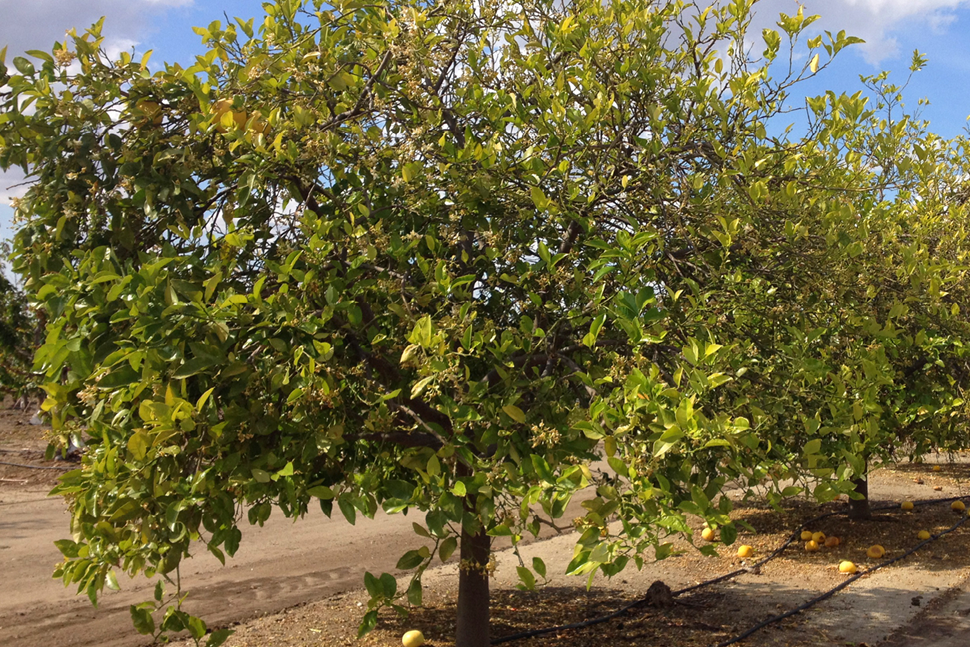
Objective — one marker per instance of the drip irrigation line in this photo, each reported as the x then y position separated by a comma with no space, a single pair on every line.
826,595
795,536
38,467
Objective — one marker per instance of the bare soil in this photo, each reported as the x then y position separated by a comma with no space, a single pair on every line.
301,584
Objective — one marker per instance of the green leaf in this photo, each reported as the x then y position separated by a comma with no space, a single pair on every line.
539,198
813,446
528,579
539,566
23,66
423,332
347,508
514,413
542,469
195,366
138,445
389,584
218,637
410,559
373,585
434,466
409,171
341,81
367,624
447,548
321,492
196,627
420,386
142,619
415,593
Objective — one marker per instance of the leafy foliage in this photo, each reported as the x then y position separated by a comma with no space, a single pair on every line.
16,341
443,256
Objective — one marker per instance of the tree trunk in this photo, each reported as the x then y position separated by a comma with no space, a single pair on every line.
859,508
473,599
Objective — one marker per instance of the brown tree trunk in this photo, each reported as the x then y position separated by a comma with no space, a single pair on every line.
473,598
859,508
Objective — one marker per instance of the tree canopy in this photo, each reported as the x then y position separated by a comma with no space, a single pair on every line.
442,256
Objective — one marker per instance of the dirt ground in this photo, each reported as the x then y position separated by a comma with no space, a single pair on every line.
921,600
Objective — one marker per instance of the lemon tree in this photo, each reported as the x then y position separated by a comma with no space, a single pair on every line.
17,327
442,257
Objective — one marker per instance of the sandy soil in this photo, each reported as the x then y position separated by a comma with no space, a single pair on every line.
301,584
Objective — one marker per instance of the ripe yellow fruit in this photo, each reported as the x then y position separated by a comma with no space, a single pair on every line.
832,542
875,551
819,538
259,125
811,546
937,468
923,534
847,567
958,506
151,111
806,535
745,551
221,107
413,638
906,505
707,534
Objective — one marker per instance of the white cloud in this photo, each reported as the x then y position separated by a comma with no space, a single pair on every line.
36,24
873,20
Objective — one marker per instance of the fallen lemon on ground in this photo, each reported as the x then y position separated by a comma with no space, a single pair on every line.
923,534
745,551
906,505
811,545
847,567
818,537
937,468
876,551
806,535
707,534
832,542
413,638
958,506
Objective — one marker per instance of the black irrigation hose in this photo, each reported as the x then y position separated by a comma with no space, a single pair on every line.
795,536
37,467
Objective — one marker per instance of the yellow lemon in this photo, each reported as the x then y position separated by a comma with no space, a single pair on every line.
906,505
221,107
847,567
152,112
958,506
832,542
875,551
806,535
745,551
937,468
413,638
923,534
811,546
819,537
707,534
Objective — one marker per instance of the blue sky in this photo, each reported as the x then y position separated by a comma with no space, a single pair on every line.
892,29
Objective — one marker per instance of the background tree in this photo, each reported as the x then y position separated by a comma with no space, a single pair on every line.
17,343
433,256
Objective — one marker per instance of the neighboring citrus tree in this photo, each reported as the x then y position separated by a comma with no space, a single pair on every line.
434,256
17,344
